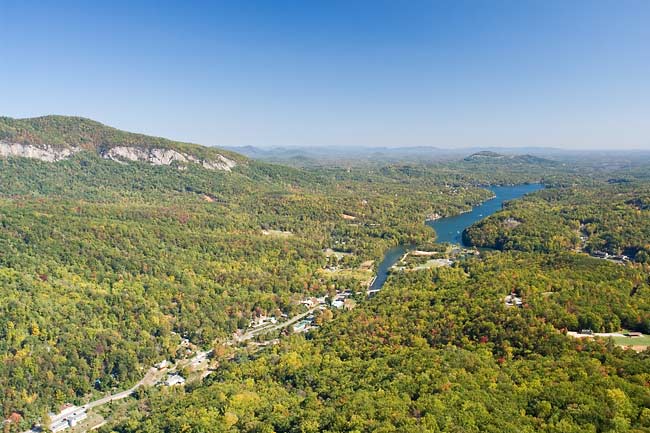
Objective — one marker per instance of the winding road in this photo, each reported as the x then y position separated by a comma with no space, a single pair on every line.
154,375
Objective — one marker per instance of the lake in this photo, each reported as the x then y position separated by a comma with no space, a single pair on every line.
450,229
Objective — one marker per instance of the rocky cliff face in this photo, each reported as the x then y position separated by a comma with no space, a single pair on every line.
158,156
55,138
43,152
155,156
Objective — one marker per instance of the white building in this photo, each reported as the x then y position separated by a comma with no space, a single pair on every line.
69,421
162,364
513,301
174,380
76,417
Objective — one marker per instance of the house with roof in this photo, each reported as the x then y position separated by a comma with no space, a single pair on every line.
70,420
633,334
174,379
512,300
302,326
74,419
162,364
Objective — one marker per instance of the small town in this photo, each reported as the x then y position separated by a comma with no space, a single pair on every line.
166,373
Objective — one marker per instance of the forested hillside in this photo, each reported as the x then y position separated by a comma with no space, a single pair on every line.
107,267
57,138
104,266
437,351
79,132
609,216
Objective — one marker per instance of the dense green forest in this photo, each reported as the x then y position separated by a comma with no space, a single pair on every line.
610,216
79,132
436,351
142,255
105,266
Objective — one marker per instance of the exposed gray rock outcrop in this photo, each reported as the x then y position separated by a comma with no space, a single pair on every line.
159,156
43,152
155,156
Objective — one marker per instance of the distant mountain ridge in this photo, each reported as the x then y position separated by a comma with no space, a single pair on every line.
316,155
487,155
54,138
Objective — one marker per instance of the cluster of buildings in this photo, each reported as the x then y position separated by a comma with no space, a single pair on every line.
305,325
342,299
313,302
607,256
174,379
186,347
69,417
261,321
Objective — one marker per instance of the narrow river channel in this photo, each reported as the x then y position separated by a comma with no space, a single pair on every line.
450,229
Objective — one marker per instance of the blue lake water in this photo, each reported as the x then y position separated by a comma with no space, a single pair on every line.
450,229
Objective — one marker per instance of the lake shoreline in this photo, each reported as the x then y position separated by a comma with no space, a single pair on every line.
449,229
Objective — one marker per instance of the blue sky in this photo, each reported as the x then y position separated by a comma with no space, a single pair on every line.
570,74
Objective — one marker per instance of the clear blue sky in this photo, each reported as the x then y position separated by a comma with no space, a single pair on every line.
564,73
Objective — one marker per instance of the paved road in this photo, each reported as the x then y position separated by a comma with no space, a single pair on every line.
277,326
154,375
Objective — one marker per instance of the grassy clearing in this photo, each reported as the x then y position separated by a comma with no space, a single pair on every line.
636,341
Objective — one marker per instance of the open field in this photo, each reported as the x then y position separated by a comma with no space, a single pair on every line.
619,338
636,341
